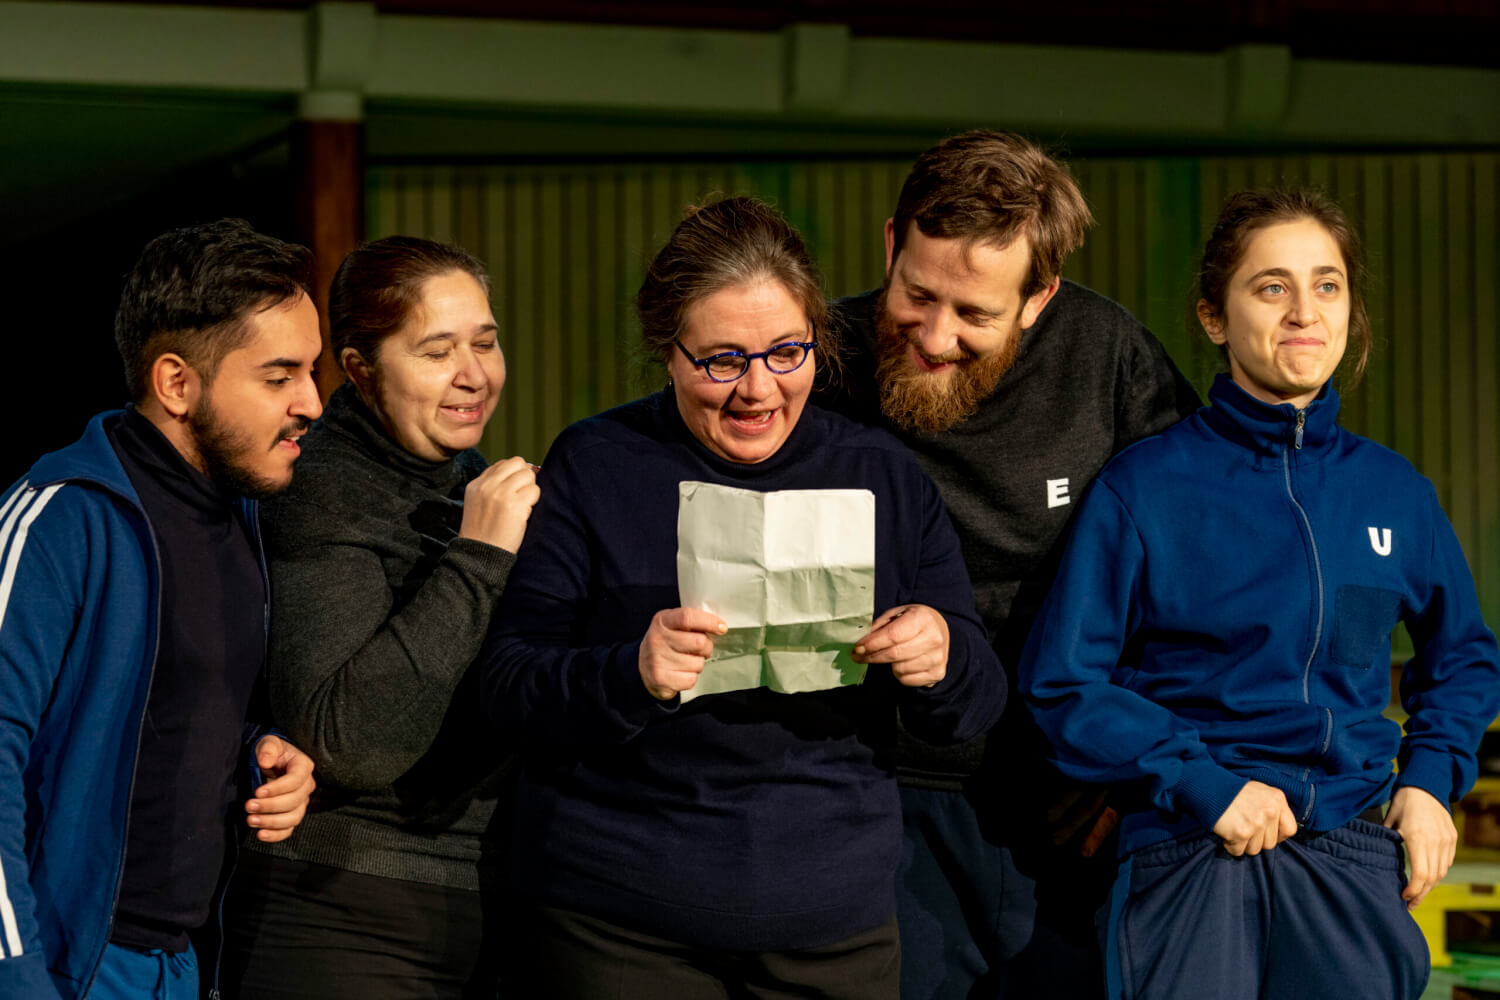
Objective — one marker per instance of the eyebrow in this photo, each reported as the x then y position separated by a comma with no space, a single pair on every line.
724,347
912,283
282,363
962,308
449,335
1281,272
972,308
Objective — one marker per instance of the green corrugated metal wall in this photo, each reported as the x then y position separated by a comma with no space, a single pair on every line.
566,245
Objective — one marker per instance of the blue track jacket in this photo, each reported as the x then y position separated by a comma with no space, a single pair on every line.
79,611
1223,613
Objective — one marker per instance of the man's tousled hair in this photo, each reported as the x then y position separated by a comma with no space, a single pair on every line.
192,290
991,187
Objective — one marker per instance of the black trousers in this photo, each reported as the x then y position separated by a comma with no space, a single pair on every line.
573,956
300,931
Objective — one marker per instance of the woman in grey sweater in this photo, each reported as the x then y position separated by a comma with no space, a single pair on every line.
387,555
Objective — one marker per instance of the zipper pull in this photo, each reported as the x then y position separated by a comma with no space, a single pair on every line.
1301,419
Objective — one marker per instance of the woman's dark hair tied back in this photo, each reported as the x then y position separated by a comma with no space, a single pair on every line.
727,244
1249,211
379,284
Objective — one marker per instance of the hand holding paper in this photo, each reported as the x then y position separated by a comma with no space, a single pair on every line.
675,648
913,639
791,573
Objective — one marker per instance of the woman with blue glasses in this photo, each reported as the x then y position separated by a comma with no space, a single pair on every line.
742,842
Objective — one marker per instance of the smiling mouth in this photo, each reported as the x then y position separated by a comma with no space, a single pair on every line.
924,362
291,437
465,411
751,419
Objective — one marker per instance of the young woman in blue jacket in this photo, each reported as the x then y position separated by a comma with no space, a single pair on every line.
1218,641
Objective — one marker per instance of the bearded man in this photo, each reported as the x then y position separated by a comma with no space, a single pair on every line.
133,613
1013,387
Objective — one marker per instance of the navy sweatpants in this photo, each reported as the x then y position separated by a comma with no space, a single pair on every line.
985,917
1318,916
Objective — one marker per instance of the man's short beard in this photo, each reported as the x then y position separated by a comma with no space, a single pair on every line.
930,401
223,450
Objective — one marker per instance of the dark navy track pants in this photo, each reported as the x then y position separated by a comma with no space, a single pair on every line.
984,918
1318,916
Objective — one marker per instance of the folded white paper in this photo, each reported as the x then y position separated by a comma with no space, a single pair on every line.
793,575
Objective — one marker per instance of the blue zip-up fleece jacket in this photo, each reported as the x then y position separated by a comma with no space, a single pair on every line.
79,613
1223,613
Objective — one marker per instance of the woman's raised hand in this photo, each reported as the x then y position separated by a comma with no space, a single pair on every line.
498,502
913,639
1257,820
1426,825
675,647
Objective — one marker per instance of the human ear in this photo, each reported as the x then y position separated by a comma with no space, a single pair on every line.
1034,305
174,384
890,245
360,372
1211,321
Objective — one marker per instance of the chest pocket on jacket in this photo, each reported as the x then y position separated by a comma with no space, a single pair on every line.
1362,619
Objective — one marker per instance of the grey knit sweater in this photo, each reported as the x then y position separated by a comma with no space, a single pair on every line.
378,608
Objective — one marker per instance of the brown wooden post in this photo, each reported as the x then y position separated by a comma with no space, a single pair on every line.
328,157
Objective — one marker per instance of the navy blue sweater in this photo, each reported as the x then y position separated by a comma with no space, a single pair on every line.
1223,613
743,821
210,647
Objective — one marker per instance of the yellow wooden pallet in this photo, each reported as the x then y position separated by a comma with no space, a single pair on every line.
1470,886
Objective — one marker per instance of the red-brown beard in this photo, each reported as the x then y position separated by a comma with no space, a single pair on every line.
933,401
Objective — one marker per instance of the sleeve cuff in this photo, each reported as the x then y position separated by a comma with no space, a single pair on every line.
1205,790
488,563
627,692
1432,772
967,702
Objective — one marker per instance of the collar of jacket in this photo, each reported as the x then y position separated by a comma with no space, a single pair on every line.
90,458
1270,429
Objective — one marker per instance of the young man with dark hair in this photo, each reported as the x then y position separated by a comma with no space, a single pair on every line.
1012,387
133,613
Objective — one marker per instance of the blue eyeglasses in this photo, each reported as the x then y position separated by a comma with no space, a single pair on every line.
730,366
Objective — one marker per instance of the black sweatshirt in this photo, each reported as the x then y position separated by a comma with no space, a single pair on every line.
1088,380
378,608
210,649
